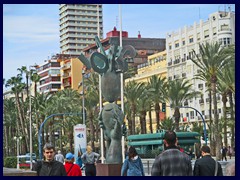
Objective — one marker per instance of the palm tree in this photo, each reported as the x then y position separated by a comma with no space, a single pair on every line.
10,125
167,124
227,84
178,92
132,92
142,109
157,91
213,58
17,86
91,96
23,70
35,78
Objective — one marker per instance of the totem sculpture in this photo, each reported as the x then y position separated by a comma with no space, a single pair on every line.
111,117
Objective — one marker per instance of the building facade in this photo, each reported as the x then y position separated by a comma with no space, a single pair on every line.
79,24
50,72
71,73
220,27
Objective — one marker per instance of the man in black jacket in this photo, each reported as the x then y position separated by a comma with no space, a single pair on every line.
49,167
206,165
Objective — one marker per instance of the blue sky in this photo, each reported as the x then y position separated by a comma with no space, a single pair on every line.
31,31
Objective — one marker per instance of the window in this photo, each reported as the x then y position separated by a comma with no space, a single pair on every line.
183,43
206,33
214,31
192,114
191,40
198,37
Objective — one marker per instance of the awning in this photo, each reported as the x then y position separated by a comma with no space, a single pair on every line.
144,143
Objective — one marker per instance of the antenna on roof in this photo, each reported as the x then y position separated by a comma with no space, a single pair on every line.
116,21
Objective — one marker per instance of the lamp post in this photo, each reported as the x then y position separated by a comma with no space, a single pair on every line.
121,79
17,138
83,98
30,116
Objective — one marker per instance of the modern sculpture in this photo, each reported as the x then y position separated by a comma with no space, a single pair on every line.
111,117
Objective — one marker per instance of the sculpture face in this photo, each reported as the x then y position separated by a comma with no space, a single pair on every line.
110,86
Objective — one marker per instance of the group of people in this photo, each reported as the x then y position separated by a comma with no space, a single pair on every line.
226,151
57,165
171,162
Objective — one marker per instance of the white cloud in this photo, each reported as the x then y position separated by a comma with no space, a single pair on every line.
19,29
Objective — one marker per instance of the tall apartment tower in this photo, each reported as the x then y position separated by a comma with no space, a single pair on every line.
79,24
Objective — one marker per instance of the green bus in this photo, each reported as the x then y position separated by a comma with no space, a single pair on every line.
150,145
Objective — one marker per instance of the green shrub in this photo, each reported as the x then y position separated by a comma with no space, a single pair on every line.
10,162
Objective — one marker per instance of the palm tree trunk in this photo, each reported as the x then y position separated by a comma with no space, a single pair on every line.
157,110
230,94
133,119
224,100
216,121
177,118
150,121
22,124
212,137
129,125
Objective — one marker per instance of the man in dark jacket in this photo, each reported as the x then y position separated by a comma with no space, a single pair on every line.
171,162
205,166
49,167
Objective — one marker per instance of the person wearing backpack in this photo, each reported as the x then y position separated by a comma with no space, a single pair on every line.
71,168
132,165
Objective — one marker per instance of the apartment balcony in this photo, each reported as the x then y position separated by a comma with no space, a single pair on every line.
66,84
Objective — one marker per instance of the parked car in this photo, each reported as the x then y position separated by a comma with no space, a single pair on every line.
34,157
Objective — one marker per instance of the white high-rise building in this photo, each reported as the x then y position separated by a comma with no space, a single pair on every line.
79,24
220,27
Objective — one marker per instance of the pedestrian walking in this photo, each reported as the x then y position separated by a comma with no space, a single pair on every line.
230,151
79,160
49,166
207,166
71,168
224,153
132,165
190,153
171,162
90,159
59,157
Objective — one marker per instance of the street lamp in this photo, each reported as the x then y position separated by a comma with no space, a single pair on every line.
30,116
83,98
17,138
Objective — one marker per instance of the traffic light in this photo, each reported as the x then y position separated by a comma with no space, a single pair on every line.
163,107
203,138
124,129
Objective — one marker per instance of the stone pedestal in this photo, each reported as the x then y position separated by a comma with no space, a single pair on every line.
108,169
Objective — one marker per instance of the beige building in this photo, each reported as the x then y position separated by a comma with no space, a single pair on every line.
156,65
220,27
79,24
